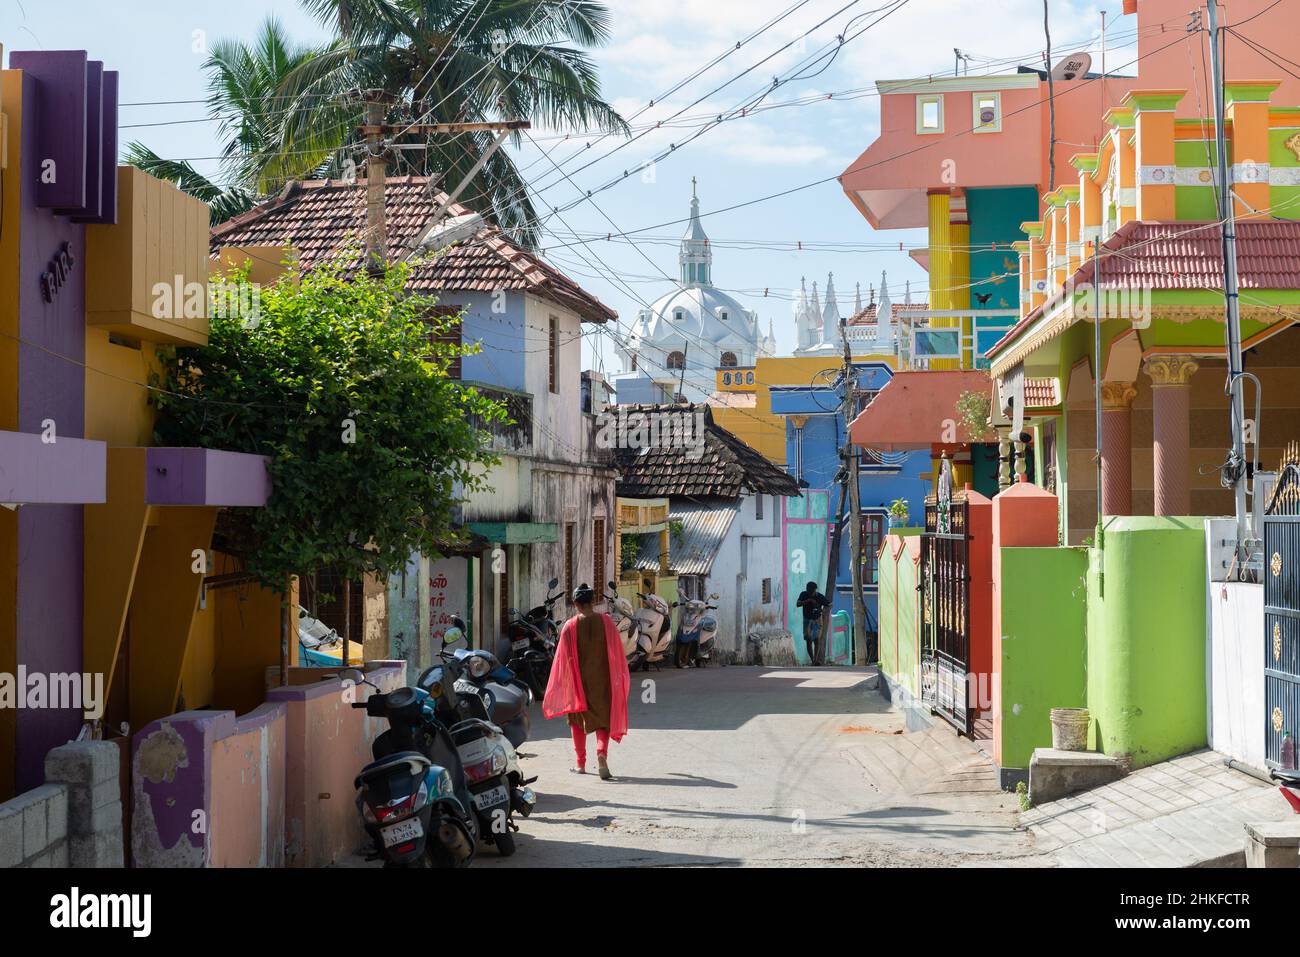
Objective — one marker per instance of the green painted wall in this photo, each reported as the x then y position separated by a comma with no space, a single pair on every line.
908,667
1043,644
1146,638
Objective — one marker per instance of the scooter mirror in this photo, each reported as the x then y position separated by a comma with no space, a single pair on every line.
553,583
460,622
613,587
714,596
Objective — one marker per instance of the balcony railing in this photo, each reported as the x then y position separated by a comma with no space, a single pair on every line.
515,435
920,343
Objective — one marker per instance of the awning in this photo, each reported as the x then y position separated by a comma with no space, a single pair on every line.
66,471
516,533
918,410
692,545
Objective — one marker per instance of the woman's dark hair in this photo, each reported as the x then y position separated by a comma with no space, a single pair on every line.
583,595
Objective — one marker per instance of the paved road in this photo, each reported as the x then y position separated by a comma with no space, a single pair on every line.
760,766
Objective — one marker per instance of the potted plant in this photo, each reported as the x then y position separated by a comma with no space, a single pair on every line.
898,513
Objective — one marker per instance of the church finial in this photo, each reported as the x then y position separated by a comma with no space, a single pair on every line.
693,196
857,298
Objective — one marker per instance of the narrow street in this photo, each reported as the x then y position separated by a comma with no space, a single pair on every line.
726,764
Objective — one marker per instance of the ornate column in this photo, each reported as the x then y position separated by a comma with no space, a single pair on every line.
1116,447
1171,376
1004,456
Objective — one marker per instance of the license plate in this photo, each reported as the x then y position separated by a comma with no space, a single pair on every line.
402,831
519,644
491,797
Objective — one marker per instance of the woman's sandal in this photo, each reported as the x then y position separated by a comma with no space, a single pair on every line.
580,769
605,774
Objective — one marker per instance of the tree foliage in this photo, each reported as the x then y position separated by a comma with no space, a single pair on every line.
338,378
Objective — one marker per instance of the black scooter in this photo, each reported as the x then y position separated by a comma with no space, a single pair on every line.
529,646
413,798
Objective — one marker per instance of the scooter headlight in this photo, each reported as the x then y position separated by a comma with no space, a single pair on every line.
479,666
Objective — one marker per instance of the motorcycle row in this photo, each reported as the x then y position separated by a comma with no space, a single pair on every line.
446,775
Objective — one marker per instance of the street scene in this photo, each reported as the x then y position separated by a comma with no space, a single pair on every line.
517,434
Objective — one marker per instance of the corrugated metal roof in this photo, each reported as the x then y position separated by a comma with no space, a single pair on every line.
692,550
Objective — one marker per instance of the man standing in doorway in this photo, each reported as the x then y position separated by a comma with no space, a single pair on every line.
812,602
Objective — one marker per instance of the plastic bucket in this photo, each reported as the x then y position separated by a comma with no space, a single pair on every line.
1070,729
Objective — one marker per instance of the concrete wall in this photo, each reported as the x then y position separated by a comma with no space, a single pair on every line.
327,742
900,637
1042,647
1146,639
74,819
271,788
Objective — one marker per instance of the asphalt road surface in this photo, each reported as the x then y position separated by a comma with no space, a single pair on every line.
761,766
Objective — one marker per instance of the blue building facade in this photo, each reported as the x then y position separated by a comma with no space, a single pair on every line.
815,430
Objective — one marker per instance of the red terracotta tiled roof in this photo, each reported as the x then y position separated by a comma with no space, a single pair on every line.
1185,255
321,219
868,314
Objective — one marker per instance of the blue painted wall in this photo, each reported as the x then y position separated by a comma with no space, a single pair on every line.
501,361
879,484
995,217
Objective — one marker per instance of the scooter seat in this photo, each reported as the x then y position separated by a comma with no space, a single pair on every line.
412,761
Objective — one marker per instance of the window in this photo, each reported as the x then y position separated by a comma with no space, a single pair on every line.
862,398
872,528
568,561
554,371
767,591
598,546
929,113
723,315
677,360
450,334
758,507
634,362
986,111
728,360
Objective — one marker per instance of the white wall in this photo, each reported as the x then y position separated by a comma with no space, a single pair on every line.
750,552
1233,660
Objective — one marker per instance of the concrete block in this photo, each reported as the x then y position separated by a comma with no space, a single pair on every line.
98,850
58,854
11,835
1273,844
1055,774
83,763
35,817
106,817
56,816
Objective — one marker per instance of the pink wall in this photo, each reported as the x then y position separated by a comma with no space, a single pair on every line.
267,789
328,743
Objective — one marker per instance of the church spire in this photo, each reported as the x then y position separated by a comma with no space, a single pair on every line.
695,257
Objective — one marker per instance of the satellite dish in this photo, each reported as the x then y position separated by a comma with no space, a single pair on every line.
1072,67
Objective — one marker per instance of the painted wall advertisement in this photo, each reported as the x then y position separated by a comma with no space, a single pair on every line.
448,594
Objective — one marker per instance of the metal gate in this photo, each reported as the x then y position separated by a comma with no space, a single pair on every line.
1282,609
945,610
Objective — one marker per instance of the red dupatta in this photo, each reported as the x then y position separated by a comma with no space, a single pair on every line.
564,692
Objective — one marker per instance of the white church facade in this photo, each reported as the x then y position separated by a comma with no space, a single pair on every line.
676,345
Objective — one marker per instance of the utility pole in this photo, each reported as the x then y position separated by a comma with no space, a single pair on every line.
376,132
1233,474
855,511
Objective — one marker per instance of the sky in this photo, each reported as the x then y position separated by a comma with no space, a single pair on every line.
825,113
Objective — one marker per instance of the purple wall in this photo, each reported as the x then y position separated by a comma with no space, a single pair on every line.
51,385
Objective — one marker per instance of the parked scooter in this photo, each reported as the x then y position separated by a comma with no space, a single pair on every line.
621,611
413,798
528,647
696,632
507,698
497,788
654,630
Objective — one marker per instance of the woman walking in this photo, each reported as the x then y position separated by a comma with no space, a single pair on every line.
589,681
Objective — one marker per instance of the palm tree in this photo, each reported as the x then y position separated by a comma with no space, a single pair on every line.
242,84
435,61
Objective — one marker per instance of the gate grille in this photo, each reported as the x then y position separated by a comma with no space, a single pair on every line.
1282,608
945,610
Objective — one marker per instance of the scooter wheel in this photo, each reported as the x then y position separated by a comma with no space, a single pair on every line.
505,843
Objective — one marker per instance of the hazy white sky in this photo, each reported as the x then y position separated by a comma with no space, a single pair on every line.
158,46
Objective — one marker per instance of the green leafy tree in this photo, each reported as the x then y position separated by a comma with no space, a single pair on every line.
338,377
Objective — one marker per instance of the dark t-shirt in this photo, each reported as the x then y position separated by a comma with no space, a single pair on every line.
812,605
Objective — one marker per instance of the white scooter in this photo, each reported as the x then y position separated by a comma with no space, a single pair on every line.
696,633
653,630
621,611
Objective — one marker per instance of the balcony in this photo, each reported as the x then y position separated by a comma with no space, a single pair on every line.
514,435
147,276
960,340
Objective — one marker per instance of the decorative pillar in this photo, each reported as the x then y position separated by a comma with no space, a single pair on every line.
1116,447
1247,109
1090,214
1171,376
1153,118
1037,264
1004,456
1125,192
1073,228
